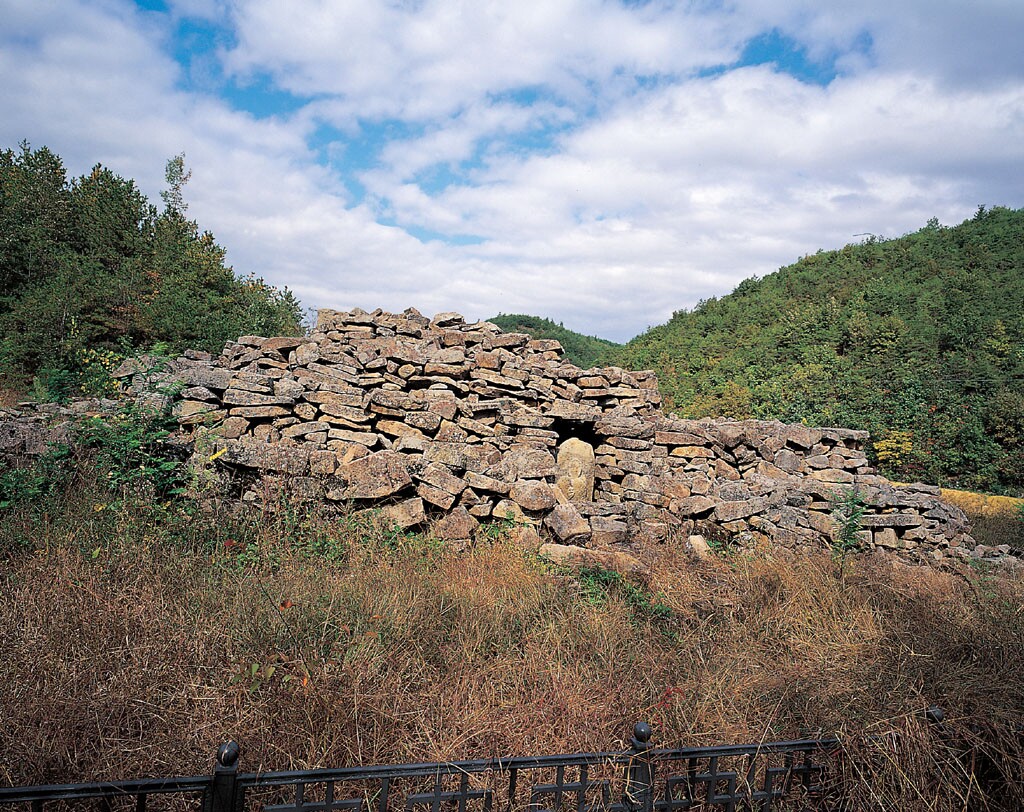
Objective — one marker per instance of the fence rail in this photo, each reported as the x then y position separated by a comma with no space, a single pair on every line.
792,775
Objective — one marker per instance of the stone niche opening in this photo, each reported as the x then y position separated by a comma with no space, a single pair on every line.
583,430
578,441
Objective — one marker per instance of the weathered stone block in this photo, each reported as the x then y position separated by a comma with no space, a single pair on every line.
232,428
435,496
425,421
441,477
529,417
458,525
892,520
508,510
322,463
395,428
306,354
530,462
186,409
607,530
566,522
209,377
886,537
821,522
833,475
692,452
406,514
197,393
532,495
372,477
282,343
613,426
508,340
698,546
485,483
496,379
802,436
476,427
254,412
302,429
268,456
366,438
444,370
449,432
731,511
730,435
695,506
288,388
241,397
581,557
346,415
787,460
454,455
681,438
304,411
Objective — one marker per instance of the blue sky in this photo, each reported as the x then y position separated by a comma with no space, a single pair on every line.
599,163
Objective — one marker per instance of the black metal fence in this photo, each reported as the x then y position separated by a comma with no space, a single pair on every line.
794,775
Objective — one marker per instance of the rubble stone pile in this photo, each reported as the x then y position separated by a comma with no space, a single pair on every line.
448,423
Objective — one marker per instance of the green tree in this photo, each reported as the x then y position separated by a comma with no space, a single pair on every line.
89,265
35,218
113,233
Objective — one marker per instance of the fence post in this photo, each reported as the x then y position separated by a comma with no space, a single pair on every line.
638,795
936,716
221,796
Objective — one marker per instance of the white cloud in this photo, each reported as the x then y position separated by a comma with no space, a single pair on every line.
646,197
715,180
384,60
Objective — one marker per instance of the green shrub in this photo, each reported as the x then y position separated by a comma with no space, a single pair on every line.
32,483
848,508
130,446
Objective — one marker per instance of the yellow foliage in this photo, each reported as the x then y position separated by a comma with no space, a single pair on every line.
734,401
97,366
895,448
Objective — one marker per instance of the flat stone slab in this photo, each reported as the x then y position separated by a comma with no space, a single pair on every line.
582,558
372,477
892,520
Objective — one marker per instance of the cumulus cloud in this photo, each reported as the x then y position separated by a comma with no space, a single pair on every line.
423,60
599,163
959,44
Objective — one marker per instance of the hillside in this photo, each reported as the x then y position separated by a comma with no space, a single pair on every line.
90,270
918,339
584,351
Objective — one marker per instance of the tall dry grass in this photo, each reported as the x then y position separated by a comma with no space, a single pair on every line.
136,639
995,520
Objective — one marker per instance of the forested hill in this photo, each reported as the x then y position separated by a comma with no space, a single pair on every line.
584,351
90,269
918,339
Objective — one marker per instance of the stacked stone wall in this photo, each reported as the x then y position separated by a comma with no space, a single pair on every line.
453,423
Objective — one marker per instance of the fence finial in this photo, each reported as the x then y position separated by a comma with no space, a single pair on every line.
227,754
935,714
642,736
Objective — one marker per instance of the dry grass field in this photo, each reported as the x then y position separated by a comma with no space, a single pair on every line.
995,519
136,637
